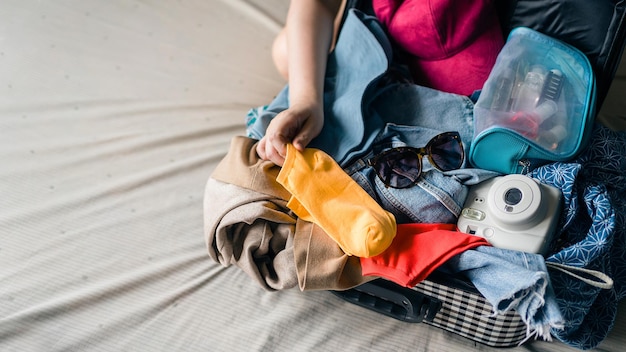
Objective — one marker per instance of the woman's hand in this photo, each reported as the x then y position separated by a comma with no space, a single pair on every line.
297,125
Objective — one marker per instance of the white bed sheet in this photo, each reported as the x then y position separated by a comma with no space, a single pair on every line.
112,116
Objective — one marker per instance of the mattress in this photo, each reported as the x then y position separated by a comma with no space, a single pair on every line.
113,114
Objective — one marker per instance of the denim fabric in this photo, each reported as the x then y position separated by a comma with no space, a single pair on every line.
362,56
437,197
512,280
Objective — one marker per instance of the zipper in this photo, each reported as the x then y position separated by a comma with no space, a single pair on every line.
526,166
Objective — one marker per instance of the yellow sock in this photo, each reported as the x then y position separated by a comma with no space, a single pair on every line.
325,195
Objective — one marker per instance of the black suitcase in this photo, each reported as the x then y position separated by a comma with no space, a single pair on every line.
445,302
452,303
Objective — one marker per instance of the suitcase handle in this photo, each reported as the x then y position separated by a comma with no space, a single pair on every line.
395,301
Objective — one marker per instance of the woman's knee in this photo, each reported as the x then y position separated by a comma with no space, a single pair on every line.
279,53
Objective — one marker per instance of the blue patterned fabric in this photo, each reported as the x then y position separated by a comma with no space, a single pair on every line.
593,235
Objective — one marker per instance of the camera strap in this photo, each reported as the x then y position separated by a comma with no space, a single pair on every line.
588,276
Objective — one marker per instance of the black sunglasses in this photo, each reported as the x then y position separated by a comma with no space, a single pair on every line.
401,167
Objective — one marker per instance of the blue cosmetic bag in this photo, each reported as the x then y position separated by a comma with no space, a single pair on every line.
536,107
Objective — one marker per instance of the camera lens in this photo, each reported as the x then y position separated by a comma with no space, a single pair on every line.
512,196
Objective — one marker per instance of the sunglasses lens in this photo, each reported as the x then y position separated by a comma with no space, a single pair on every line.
399,169
447,152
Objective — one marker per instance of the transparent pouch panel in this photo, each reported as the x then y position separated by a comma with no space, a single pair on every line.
540,88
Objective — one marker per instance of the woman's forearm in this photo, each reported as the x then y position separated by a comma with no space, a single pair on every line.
309,33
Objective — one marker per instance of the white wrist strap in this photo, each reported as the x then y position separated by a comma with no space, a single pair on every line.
591,277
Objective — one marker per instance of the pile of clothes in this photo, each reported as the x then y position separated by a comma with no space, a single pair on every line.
325,221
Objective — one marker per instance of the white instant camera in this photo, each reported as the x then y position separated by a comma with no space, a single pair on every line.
512,212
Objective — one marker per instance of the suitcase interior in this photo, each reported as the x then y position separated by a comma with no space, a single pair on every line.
452,303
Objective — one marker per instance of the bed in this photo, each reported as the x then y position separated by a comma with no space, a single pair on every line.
112,116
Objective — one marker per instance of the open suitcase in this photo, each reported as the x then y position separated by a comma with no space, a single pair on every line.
454,304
